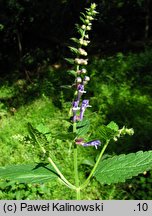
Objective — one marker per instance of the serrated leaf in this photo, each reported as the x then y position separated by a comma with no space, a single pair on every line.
112,125
82,130
83,122
83,127
119,168
106,133
28,173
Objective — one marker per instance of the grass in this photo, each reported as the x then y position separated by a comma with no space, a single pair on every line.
119,90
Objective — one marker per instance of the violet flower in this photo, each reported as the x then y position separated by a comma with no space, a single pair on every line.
74,110
85,104
80,89
95,143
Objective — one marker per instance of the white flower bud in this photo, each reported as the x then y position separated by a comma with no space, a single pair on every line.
115,139
83,70
90,18
85,62
83,27
81,61
77,60
81,41
82,52
86,36
86,78
78,80
93,6
88,28
84,42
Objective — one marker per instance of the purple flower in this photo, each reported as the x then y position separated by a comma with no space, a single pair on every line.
80,89
85,104
92,143
74,109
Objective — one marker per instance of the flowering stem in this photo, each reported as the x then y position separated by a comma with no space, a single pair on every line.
95,166
76,166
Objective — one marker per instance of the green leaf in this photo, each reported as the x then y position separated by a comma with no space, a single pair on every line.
83,14
65,136
122,167
69,60
112,125
82,19
81,31
83,127
106,133
89,162
72,72
37,136
75,40
29,173
66,86
73,49
83,122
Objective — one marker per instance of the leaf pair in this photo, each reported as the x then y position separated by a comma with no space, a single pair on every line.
111,170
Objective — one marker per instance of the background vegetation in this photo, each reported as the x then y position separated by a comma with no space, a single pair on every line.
35,35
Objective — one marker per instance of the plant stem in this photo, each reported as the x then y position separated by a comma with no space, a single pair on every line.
95,166
65,181
76,176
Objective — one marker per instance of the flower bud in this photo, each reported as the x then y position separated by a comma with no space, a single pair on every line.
79,141
86,36
86,78
87,21
89,17
93,6
88,28
84,42
83,27
82,52
83,70
78,80
81,61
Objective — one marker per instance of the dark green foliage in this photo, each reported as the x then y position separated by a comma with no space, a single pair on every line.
121,88
35,32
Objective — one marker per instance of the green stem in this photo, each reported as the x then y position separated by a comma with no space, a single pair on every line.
95,166
76,175
61,175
